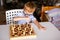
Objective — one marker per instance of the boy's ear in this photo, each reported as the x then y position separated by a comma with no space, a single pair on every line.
24,5
24,8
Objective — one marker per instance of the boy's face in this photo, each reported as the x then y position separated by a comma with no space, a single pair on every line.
28,10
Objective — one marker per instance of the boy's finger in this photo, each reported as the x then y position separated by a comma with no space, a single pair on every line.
43,28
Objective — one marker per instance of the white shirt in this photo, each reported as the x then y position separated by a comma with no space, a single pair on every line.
32,18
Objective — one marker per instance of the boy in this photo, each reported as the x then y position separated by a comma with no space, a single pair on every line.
27,15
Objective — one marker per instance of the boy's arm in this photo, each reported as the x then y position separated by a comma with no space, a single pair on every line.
20,18
38,25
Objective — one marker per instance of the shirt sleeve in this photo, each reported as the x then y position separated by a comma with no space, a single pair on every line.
32,18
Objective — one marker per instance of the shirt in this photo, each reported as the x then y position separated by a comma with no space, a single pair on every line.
31,17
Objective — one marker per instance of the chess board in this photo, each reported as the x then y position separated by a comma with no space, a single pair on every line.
22,31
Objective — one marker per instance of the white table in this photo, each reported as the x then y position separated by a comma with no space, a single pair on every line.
52,33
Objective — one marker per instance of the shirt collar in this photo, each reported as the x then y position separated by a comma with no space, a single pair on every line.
26,14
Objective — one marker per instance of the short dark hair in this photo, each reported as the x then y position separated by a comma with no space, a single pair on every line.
30,5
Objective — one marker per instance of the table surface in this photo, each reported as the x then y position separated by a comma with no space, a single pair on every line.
51,32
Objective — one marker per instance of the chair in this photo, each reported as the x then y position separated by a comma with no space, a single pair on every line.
12,13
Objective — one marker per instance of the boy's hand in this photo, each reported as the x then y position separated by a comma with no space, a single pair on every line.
43,28
27,16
